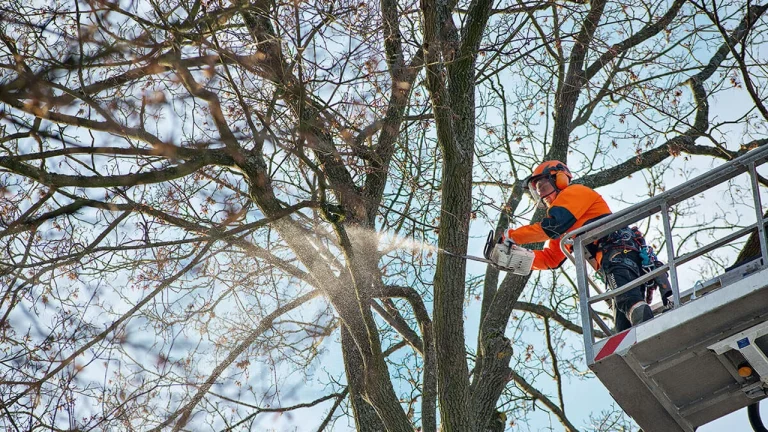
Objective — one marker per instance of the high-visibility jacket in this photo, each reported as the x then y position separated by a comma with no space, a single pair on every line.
574,207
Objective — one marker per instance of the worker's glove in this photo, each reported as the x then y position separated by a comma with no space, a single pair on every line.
665,291
506,239
665,288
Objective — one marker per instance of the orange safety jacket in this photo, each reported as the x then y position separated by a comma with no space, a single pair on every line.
574,207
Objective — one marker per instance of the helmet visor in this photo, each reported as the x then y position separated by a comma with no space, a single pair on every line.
541,188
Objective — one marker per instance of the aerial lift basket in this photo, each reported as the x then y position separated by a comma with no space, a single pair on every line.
705,358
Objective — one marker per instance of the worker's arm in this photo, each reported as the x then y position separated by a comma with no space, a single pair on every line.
549,257
571,204
527,234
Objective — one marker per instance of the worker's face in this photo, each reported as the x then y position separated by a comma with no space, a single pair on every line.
549,199
544,190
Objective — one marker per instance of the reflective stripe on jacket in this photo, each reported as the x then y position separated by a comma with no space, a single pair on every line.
573,207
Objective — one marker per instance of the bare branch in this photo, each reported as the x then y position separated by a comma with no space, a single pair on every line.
539,396
186,411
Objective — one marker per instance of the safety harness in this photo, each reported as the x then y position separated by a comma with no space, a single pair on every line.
631,239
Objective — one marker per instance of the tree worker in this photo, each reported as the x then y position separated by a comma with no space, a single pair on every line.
570,206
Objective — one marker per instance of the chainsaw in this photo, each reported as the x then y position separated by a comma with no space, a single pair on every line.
505,256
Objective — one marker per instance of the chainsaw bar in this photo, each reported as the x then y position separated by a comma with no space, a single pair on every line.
504,257
471,258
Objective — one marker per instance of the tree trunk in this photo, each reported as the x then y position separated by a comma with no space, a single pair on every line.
452,371
366,419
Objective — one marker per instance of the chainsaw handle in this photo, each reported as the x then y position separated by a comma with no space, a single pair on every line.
489,245
491,242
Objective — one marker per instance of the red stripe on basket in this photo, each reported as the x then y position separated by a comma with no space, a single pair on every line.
611,345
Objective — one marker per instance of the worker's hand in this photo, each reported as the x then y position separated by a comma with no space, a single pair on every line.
665,288
505,239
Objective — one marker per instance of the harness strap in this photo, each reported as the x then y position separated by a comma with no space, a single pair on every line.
623,238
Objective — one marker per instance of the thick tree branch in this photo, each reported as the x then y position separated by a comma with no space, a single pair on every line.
126,180
651,157
214,106
686,142
494,349
647,32
566,98
401,326
539,396
365,416
429,389
402,77
41,110
548,313
753,13
435,74
472,32
311,126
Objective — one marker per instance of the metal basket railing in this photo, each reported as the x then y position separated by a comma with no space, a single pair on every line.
661,203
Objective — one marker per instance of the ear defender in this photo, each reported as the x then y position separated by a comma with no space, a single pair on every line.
557,174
